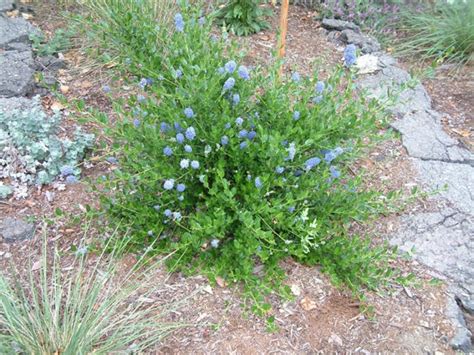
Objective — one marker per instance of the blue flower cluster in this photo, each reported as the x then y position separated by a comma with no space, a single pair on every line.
350,56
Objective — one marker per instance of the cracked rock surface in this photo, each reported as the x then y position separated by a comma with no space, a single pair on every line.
442,240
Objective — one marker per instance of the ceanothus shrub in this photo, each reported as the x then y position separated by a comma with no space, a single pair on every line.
231,168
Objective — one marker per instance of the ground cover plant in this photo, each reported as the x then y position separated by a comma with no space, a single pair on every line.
91,308
34,151
443,31
234,169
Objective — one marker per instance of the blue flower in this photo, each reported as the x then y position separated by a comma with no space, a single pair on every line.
239,121
190,133
350,56
167,151
112,160
141,98
71,179
215,243
330,156
221,70
258,183
295,76
243,133
227,125
180,198
143,83
157,207
202,21
179,22
177,127
296,115
178,73
338,151
188,148
249,177
164,127
279,169
320,87
236,99
168,213
243,145
128,61
244,72
106,89
188,112
177,216
317,99
291,209
195,164
224,140
291,152
251,135
66,170
180,138
229,84
180,187
230,66
284,143
136,122
168,184
150,233
149,81
311,163
334,172
184,163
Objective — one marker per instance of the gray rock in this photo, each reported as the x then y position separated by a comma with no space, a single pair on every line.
441,240
335,37
424,138
50,63
18,46
339,25
453,181
16,73
366,43
6,5
14,230
14,30
15,103
392,85
462,338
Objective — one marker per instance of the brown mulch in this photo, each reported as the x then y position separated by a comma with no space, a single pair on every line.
322,317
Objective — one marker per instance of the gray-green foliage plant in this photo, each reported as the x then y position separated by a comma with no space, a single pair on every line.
33,149
59,42
84,308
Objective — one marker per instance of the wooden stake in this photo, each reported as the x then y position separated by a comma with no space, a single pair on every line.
283,30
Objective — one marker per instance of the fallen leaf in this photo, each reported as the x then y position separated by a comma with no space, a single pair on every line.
308,304
13,13
27,16
208,289
462,132
57,106
86,84
221,282
296,290
64,89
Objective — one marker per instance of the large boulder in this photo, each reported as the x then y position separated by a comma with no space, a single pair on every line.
339,25
6,5
14,230
366,43
16,73
14,30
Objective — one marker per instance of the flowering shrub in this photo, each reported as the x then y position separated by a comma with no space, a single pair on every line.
234,170
32,152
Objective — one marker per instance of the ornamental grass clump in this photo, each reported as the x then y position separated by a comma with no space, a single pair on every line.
75,305
235,186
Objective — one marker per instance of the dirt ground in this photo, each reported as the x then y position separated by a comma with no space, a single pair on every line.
322,318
